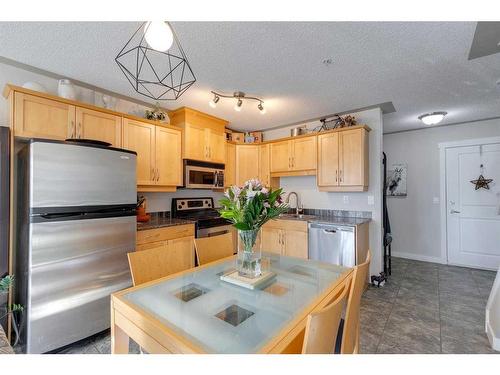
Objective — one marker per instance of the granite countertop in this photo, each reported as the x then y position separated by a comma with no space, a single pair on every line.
158,221
338,220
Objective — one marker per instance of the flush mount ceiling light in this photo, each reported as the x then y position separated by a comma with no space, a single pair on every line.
154,62
239,96
432,118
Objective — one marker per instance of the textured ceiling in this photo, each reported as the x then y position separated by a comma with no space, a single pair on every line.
419,67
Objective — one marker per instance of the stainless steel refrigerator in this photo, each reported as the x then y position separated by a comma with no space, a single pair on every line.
75,224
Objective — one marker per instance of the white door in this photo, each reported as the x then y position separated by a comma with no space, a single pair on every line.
473,216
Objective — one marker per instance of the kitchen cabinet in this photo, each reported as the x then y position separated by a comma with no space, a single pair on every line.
204,135
285,237
264,167
99,126
38,117
343,160
230,165
177,239
293,157
158,148
247,163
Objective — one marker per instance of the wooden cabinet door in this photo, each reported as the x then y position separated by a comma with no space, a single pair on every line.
352,158
264,171
168,156
304,154
99,126
150,245
247,163
140,137
195,146
181,253
272,240
36,117
296,244
328,159
280,156
230,167
216,145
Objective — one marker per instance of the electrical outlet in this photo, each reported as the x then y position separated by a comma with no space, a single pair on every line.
346,199
371,200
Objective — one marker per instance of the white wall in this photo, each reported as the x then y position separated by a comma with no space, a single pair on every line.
415,220
18,76
311,198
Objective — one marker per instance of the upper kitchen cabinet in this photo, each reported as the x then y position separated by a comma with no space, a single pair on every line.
343,160
158,148
230,165
247,163
293,157
98,125
264,170
38,117
204,137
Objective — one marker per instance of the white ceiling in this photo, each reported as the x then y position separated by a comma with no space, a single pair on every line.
419,67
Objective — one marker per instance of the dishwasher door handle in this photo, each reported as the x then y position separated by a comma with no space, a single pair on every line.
329,231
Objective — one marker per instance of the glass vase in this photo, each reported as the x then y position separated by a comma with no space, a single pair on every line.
249,253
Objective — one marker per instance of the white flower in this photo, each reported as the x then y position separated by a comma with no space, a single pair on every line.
236,191
264,190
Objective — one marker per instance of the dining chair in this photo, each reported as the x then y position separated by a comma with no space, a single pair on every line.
209,249
348,331
322,326
154,263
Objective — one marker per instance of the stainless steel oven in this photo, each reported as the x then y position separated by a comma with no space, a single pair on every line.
203,175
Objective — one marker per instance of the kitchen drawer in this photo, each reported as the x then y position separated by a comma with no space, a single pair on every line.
164,234
296,225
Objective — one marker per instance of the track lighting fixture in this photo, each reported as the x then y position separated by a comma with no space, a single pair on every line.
240,96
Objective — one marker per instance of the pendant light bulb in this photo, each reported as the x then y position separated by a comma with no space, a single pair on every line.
238,105
261,109
158,35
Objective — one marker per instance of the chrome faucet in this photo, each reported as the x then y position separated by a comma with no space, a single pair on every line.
296,201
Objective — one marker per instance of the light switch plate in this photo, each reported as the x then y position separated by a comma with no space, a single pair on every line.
371,200
435,200
346,199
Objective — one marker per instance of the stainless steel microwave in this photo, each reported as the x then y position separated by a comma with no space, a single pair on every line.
203,175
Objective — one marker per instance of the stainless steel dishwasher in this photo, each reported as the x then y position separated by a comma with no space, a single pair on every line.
332,244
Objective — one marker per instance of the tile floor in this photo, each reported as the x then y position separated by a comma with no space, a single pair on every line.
425,308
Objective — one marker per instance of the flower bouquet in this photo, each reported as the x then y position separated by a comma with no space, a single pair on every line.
249,208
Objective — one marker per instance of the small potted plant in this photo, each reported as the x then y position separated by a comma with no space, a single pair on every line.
249,208
5,309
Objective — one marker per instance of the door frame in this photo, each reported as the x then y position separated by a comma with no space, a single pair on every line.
443,146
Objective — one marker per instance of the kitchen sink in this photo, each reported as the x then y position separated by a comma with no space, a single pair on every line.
296,217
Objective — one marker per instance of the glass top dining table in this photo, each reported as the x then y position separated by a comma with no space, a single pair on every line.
219,317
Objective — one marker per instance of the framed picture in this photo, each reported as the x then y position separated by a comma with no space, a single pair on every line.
396,180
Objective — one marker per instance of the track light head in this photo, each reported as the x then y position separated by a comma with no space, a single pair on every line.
213,103
237,106
261,109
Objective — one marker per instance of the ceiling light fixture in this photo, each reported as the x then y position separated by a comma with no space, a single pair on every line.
432,118
240,96
213,103
154,65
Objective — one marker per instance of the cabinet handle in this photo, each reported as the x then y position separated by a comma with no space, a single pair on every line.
72,131
340,175
293,161
152,174
336,175
157,174
79,135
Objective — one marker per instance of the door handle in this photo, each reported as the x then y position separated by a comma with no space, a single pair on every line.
454,212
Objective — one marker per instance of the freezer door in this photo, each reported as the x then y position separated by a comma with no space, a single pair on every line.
75,266
63,175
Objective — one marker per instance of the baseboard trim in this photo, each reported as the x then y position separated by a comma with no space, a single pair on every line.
423,258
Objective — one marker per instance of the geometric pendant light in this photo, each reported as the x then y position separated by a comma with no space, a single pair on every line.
154,62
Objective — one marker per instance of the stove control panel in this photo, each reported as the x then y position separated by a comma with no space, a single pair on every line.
185,204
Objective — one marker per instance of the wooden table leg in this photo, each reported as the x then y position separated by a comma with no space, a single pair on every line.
119,339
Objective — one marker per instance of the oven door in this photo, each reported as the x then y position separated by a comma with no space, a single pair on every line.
200,177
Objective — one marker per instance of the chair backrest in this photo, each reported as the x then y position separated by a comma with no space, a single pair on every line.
209,249
154,263
350,336
322,326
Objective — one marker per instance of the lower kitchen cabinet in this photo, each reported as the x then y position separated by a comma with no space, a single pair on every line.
177,239
285,237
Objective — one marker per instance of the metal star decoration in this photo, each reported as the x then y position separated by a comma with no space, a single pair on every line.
482,182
